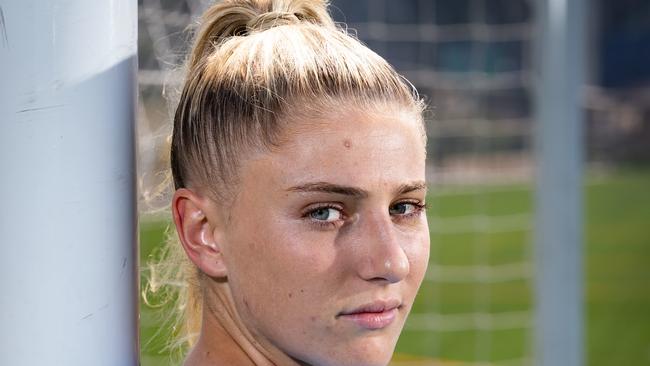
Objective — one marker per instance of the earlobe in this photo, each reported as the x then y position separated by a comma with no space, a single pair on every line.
196,232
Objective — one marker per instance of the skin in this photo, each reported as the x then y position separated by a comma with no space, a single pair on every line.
330,220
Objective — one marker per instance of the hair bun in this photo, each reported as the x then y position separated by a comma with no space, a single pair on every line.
232,18
272,19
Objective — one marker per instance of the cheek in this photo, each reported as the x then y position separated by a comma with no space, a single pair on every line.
276,263
279,251
283,287
418,255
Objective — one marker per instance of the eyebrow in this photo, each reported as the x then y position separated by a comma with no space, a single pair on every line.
411,187
325,187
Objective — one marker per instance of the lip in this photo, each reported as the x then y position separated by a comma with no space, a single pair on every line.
375,315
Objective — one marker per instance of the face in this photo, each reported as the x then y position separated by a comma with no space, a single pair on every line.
328,241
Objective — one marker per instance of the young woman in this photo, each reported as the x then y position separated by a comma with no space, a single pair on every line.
298,161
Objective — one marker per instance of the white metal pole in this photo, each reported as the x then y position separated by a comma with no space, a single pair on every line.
68,223
558,238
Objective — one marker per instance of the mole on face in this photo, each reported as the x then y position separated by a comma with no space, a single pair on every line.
347,143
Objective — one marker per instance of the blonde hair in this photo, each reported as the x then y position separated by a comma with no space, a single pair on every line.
255,66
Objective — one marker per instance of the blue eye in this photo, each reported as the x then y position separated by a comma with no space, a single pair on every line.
328,214
403,208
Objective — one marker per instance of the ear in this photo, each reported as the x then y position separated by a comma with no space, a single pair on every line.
198,234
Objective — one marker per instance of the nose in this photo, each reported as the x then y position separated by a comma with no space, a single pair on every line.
381,256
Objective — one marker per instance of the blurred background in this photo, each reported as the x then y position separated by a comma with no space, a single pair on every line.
474,62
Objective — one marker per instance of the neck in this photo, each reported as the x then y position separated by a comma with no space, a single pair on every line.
224,339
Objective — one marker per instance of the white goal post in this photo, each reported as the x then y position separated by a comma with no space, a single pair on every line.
559,152
68,224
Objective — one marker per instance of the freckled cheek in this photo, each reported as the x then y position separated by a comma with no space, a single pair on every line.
263,244
286,264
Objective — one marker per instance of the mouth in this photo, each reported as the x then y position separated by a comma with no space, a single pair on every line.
375,315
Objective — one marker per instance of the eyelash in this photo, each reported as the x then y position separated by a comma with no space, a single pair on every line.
419,208
324,224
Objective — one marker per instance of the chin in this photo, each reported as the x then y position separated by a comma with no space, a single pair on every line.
379,359
371,351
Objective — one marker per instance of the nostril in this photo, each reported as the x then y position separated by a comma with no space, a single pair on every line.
380,279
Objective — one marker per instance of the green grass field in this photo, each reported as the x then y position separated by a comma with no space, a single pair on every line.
617,276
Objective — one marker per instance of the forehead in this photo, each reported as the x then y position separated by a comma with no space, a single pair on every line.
348,147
